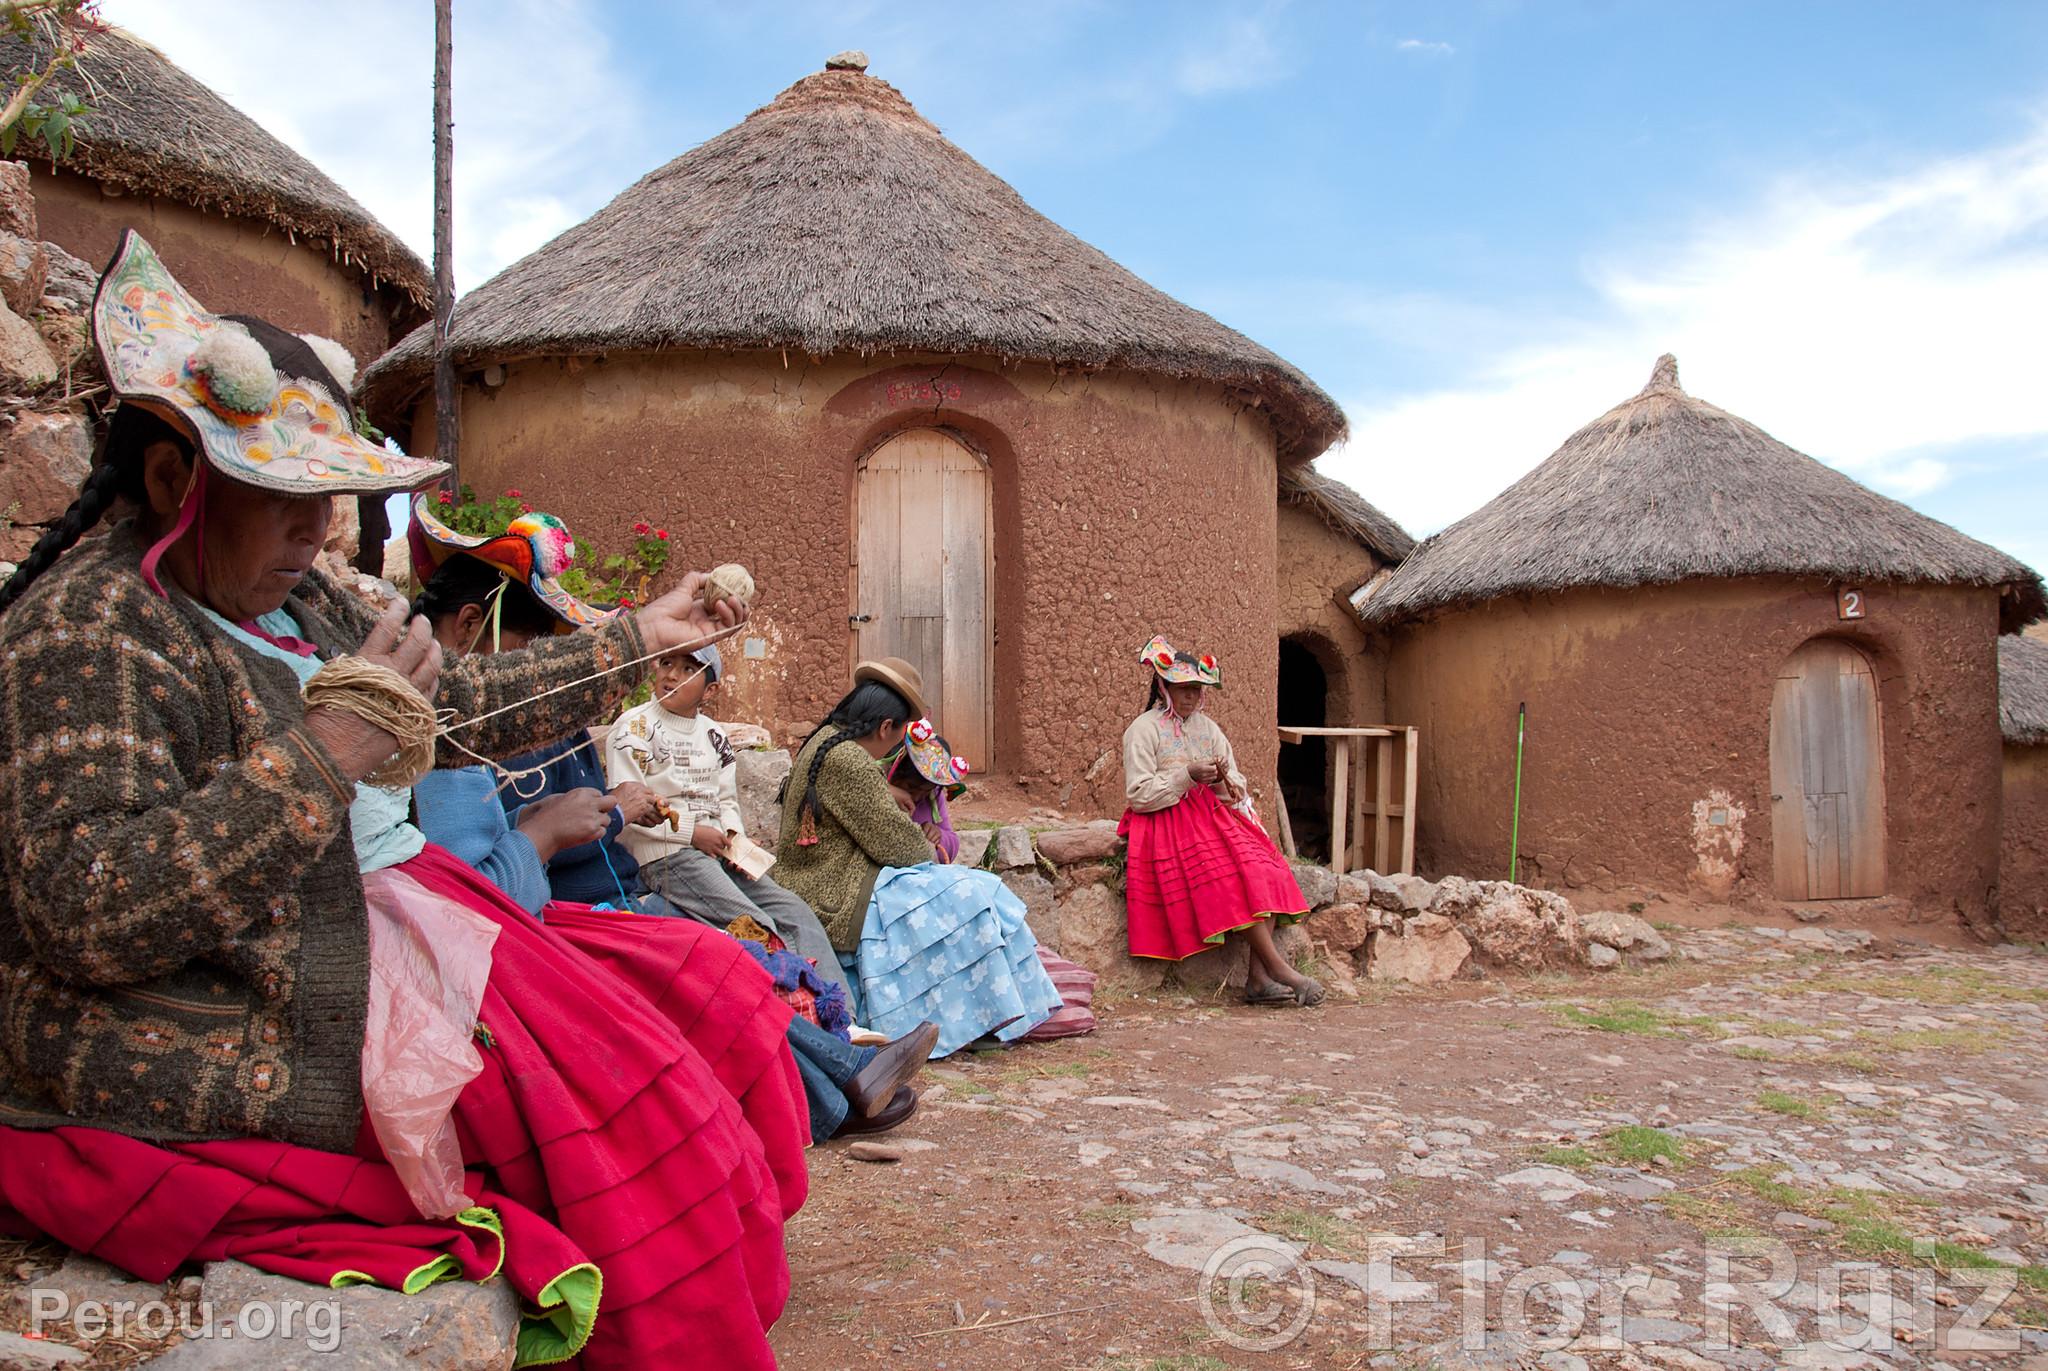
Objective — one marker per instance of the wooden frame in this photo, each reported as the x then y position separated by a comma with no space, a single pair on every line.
1376,757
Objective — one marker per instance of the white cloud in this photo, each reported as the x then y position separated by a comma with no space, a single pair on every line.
1239,54
544,133
1876,323
1424,45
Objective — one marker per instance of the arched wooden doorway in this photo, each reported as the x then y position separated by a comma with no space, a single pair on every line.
1303,701
1827,775
922,551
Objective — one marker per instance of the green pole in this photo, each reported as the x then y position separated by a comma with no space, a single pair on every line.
1515,840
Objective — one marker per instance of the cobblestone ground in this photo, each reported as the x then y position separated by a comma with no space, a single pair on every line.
1779,1150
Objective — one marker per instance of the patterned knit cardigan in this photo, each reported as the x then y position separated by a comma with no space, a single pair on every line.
183,944
861,829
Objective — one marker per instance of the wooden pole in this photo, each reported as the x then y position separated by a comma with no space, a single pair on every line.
447,419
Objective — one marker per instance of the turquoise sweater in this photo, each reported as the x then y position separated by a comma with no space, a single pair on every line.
458,808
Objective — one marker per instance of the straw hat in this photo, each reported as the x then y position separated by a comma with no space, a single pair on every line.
897,674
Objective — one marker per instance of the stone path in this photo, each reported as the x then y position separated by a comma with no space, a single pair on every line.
1780,1149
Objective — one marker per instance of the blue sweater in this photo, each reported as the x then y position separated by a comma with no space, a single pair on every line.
457,810
576,873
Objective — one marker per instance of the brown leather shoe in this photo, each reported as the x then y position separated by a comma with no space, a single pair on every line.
898,1111
895,1065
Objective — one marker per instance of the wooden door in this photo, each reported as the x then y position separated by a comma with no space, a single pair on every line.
921,577
1827,775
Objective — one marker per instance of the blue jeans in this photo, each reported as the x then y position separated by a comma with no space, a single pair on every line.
828,1066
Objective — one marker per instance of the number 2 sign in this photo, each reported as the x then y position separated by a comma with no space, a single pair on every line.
1850,604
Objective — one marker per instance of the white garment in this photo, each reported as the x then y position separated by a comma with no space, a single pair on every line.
1157,750
687,762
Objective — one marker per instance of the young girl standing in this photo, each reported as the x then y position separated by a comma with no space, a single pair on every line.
1200,867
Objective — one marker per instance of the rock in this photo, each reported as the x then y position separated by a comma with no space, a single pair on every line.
1091,843
1013,848
1511,926
17,201
18,1353
974,845
344,528
69,280
1355,887
1318,883
1401,894
1625,933
760,775
1128,1102
81,1279
25,359
1428,950
1040,910
452,1324
1343,928
24,266
1218,968
1187,1238
873,1150
1601,957
1093,933
1256,1168
1552,1183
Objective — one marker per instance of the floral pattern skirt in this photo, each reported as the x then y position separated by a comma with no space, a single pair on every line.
950,944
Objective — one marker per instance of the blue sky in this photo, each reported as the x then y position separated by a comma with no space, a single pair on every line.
1475,224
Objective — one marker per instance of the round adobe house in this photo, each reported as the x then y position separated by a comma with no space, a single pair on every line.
246,224
2023,853
829,344
1747,676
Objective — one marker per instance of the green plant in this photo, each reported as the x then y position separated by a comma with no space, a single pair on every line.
61,25
618,578
1791,1106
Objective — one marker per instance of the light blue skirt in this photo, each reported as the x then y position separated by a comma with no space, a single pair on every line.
949,944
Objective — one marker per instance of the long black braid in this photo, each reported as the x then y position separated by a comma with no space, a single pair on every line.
866,708
118,475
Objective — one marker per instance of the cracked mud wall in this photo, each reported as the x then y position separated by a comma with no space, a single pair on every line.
1316,569
232,266
1124,505
1649,710
2023,854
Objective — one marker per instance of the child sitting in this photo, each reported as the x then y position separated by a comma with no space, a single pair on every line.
922,777
682,755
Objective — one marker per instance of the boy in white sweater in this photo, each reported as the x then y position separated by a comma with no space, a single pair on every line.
681,754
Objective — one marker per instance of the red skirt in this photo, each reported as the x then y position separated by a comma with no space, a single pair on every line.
636,1142
1196,871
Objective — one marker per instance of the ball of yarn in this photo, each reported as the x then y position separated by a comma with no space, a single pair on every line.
730,582
233,372
380,696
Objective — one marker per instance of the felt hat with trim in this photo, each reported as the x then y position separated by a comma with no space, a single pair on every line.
211,377
535,549
897,674
1180,668
933,757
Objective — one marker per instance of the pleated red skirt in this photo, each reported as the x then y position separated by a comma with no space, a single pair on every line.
1196,871
635,1143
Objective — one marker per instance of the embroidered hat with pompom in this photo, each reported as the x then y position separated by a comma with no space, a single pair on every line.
232,374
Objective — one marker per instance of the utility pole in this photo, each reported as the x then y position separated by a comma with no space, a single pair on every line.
447,419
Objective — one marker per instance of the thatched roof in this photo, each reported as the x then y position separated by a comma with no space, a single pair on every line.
2023,690
1345,510
838,220
156,131
1667,488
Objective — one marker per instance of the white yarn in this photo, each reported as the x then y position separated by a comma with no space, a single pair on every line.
336,358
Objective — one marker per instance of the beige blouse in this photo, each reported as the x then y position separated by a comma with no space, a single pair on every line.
1156,759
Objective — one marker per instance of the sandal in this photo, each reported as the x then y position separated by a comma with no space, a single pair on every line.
1274,994
1310,994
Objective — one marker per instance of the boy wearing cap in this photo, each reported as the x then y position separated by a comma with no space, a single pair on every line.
681,754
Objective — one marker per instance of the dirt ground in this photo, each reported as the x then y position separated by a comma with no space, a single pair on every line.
1545,1173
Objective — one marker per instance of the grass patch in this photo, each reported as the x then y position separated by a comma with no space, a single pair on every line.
1299,1100
1307,1226
1757,1054
1635,1145
1623,1016
1792,1106
1114,1215
1572,1158
1716,1216
1947,985
1966,1040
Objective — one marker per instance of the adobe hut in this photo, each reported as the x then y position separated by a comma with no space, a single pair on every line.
830,344
1329,542
2023,854
246,223
1746,674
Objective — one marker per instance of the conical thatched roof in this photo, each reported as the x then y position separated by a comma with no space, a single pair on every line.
155,130
1345,510
837,219
1666,488
2023,690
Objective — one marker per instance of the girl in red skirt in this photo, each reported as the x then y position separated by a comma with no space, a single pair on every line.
1200,866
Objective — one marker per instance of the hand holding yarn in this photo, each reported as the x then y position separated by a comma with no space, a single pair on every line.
731,583
687,615
362,740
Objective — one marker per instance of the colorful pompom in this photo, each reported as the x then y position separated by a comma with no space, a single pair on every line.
233,374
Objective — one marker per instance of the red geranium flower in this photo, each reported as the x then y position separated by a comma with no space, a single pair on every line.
446,498
625,602
525,508
641,528
662,534
511,494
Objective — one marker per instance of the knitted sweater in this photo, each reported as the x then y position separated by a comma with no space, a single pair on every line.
861,829
182,925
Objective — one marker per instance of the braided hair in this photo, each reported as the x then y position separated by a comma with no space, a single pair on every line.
117,475
464,580
866,708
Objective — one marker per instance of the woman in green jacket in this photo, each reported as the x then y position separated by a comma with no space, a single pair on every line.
920,939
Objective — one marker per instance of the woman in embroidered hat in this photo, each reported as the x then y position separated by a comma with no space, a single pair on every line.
1199,866
923,939
207,910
